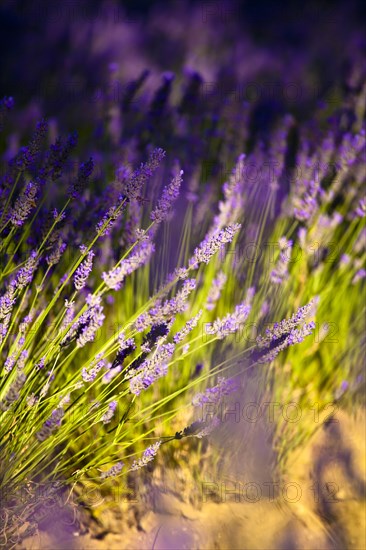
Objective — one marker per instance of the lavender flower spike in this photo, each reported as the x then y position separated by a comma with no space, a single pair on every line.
28,154
286,333
138,179
7,301
148,456
83,271
151,369
113,471
24,204
104,226
85,328
107,417
160,312
114,278
231,322
209,428
359,275
215,291
294,337
13,392
224,386
85,171
211,244
170,194
94,321
89,375
280,272
285,326
14,358
188,327
55,255
51,424
361,208
25,274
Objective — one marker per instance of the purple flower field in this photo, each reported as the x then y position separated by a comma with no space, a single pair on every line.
182,274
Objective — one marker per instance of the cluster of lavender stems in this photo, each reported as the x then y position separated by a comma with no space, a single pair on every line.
76,329
66,268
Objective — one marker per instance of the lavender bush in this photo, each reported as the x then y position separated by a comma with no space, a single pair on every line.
181,244
63,376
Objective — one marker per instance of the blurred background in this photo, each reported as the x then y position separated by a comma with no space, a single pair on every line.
61,54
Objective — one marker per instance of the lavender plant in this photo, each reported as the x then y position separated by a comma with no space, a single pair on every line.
71,384
110,301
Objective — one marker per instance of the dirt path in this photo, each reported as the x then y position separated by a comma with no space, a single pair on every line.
321,505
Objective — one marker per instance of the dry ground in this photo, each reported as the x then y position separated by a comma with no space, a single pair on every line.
321,505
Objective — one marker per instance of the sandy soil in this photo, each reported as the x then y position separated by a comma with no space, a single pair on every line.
320,505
